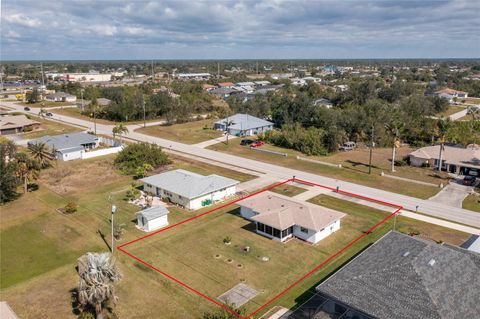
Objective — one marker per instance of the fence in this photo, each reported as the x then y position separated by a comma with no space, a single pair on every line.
102,152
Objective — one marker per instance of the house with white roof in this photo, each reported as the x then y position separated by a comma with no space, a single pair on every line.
152,218
188,189
464,161
61,97
243,125
281,218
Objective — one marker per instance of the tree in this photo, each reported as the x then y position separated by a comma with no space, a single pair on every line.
34,96
136,155
119,129
141,171
9,180
97,273
394,128
443,126
41,153
27,169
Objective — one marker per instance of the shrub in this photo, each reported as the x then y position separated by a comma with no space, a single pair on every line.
227,240
70,208
137,155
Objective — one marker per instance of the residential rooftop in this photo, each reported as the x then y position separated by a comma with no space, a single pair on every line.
154,212
469,157
15,121
243,122
188,184
281,212
66,141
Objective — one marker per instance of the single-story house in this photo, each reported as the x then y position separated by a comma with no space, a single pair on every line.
69,146
400,277
323,102
280,217
188,189
17,124
463,161
61,97
208,87
262,83
152,218
451,93
243,125
193,76
224,92
225,84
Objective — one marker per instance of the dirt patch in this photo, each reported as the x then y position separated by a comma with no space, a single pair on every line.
75,176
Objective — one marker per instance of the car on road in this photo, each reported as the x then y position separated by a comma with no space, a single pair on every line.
348,146
469,180
49,114
246,142
257,144
26,108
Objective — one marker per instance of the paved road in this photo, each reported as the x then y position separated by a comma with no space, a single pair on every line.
428,207
456,116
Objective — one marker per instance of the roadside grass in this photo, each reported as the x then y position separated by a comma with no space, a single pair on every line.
452,109
195,253
189,133
288,190
45,104
76,113
48,128
355,167
472,202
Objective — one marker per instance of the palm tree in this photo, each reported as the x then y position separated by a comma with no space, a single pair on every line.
443,126
27,169
97,272
394,129
119,129
41,153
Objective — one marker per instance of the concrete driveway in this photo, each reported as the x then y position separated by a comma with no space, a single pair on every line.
452,195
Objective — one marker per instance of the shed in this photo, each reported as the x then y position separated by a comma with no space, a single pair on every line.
152,218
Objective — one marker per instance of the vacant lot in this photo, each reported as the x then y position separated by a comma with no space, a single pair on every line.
195,253
189,133
355,167
472,202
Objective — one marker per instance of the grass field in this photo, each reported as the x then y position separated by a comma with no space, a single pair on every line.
46,104
189,133
452,109
76,112
472,202
355,167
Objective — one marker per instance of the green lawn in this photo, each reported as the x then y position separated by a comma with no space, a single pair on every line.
472,202
189,133
195,253
49,128
354,168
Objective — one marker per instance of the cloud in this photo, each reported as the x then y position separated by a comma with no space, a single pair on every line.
241,29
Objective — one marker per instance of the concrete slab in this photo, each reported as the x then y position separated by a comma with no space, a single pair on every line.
452,195
238,295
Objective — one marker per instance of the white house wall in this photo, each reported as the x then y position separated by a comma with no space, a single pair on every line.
314,237
70,156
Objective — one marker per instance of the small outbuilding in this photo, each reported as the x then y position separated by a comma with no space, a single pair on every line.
152,218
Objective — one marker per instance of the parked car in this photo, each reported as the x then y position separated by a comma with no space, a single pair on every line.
348,146
49,114
469,180
246,142
257,144
26,108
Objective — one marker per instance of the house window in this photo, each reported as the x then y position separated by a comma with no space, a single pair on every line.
261,227
168,194
268,230
276,233
304,230
287,232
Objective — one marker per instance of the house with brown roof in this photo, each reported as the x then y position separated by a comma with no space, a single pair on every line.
225,84
17,124
281,218
464,161
450,94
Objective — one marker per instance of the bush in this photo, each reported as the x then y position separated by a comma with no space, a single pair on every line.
227,240
139,154
70,208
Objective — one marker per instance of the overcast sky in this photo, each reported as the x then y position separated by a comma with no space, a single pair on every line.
104,29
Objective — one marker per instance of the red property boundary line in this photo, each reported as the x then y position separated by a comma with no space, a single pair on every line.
311,272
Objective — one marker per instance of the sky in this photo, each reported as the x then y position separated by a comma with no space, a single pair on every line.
270,29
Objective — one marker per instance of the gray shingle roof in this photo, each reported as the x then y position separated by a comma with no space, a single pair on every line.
402,277
66,141
244,122
154,212
189,184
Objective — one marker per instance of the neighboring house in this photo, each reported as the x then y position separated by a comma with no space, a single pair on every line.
323,102
224,92
208,87
261,83
193,76
69,146
281,218
188,189
450,94
298,82
400,277
243,125
152,218
225,85
464,161
17,124
61,97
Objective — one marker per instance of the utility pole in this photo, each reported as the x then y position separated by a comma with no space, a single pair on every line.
94,119
144,120
218,70
114,209
226,128
81,93
257,67
372,145
153,74
43,79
